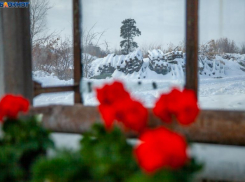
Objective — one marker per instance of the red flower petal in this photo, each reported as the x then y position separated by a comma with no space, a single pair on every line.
109,94
161,148
149,158
11,106
188,110
173,99
132,114
183,105
108,115
161,109
116,104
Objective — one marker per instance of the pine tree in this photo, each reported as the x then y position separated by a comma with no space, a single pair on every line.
128,32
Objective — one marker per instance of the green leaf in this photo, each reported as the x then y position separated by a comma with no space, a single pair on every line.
10,169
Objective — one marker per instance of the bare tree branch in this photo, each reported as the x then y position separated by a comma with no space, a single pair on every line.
38,14
89,39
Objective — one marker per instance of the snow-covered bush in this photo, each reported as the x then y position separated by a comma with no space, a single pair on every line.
125,63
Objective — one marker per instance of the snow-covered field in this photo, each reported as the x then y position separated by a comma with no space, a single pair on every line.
46,80
214,93
224,93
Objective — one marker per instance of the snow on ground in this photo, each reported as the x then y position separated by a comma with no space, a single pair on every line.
222,93
214,93
141,90
46,80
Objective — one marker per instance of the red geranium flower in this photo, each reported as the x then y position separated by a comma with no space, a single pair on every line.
11,106
161,109
188,108
132,114
116,104
108,115
173,99
109,94
183,105
161,148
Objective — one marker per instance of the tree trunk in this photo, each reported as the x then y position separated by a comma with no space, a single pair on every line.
128,41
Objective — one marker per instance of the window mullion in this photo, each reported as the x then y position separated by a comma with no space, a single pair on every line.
77,50
192,45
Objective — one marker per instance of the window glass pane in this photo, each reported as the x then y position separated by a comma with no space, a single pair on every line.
52,53
222,54
140,42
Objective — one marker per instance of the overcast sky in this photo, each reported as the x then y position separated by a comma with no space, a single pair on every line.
160,21
60,17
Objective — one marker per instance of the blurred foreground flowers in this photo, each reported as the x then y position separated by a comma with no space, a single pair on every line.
160,149
105,154
23,140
